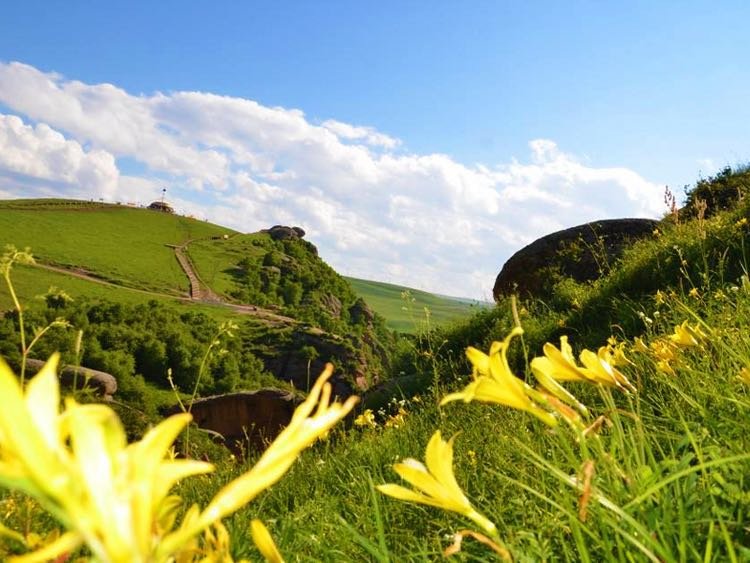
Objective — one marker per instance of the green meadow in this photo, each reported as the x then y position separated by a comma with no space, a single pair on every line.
411,310
216,260
603,421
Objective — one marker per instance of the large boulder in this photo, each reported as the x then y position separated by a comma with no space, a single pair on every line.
246,421
282,232
581,253
103,383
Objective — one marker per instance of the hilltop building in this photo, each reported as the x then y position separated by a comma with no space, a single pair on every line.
162,206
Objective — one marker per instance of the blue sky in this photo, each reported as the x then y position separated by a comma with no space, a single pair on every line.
444,113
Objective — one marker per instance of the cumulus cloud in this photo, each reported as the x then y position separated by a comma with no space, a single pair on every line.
374,210
41,155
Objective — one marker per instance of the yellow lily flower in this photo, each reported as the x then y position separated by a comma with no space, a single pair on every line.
495,383
114,497
686,336
598,367
639,346
559,365
77,465
435,484
301,432
264,542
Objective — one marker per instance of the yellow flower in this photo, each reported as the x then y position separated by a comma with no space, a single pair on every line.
264,542
304,428
741,223
396,420
694,293
686,336
745,376
559,365
79,467
599,368
367,418
435,484
660,298
114,497
495,383
639,345
665,367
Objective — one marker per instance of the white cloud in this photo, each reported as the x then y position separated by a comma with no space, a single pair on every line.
41,154
368,135
423,220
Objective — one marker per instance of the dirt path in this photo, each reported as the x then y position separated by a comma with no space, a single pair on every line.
250,310
199,291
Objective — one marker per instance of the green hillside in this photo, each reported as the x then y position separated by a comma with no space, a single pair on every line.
32,282
122,244
406,313
601,421
293,312
129,247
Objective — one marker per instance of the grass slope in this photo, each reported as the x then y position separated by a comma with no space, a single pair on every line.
659,474
215,260
31,282
121,244
407,313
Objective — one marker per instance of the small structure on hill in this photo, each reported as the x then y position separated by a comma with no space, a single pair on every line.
162,205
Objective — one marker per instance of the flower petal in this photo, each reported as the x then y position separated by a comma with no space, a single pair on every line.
264,542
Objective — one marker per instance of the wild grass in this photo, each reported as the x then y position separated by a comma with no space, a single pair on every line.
667,466
216,259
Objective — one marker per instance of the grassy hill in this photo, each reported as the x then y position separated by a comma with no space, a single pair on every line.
125,245
132,248
406,312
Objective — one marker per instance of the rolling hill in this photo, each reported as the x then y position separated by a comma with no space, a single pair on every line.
133,250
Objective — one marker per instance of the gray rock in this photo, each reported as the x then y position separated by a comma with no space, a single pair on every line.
577,253
104,383
282,232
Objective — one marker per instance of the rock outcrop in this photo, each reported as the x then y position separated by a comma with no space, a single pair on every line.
360,312
288,362
104,383
282,232
247,421
578,253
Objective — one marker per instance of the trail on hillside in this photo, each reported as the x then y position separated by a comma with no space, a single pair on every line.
250,310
